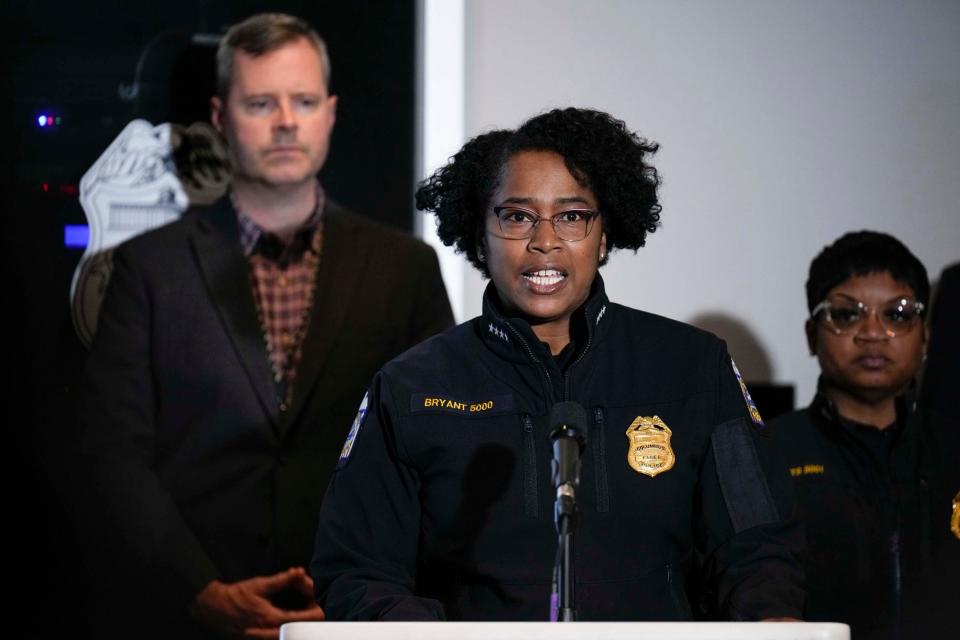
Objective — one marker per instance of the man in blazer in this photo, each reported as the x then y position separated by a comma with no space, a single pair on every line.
233,349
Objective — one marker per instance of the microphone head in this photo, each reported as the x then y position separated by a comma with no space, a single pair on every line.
568,419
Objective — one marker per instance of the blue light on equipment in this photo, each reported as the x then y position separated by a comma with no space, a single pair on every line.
48,120
76,236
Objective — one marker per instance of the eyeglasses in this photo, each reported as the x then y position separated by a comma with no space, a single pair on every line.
843,315
572,225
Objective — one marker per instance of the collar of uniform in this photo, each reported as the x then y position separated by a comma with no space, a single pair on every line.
253,238
825,410
513,338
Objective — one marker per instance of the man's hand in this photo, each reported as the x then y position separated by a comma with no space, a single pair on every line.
244,609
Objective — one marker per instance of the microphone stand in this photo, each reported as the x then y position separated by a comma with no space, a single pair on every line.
565,519
568,420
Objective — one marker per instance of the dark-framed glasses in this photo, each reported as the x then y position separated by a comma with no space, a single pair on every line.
517,223
843,315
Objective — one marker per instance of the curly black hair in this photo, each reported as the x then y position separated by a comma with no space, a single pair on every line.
598,149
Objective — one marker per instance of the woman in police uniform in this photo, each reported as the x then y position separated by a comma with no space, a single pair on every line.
441,507
876,472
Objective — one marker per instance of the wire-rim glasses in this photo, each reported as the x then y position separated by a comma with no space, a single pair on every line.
518,223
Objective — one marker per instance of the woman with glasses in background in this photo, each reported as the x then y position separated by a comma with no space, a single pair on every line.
875,472
442,505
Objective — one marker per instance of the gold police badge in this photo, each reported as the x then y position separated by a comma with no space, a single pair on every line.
955,517
650,452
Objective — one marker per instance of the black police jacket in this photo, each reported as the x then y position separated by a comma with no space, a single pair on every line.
877,507
442,506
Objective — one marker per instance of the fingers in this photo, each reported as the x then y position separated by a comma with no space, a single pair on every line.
294,579
269,615
266,585
272,616
245,609
311,614
305,586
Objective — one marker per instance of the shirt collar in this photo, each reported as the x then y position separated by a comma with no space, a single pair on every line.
825,410
253,238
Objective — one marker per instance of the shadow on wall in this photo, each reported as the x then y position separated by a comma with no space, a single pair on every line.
744,347
752,360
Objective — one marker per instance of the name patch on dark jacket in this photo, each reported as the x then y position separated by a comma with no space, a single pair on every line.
427,402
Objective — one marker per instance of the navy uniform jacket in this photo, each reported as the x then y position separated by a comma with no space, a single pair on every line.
877,509
441,506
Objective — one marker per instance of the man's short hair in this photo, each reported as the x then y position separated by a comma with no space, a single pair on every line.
263,33
861,253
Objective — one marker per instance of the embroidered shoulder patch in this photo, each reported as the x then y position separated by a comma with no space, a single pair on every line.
354,430
751,406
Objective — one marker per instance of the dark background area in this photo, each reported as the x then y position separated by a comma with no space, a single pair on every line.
72,60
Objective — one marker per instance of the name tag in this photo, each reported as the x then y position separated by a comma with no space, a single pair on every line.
807,470
433,403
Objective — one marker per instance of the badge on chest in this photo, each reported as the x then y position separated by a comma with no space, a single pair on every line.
649,452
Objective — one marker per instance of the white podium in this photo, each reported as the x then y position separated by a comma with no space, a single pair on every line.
565,631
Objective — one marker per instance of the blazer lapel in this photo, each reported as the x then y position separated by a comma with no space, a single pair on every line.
217,247
342,262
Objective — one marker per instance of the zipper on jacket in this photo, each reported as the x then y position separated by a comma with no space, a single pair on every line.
542,366
598,445
531,502
566,376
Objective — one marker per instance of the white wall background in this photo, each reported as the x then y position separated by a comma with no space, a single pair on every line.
782,125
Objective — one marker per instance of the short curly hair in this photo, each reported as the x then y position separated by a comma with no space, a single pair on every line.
598,149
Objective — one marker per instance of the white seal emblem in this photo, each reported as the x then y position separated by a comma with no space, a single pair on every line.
133,187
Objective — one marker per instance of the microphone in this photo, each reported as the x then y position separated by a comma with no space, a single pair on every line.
568,423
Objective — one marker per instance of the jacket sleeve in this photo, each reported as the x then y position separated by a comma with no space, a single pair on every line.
134,515
749,530
365,557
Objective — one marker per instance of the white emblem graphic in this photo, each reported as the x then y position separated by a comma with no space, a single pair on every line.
603,310
134,187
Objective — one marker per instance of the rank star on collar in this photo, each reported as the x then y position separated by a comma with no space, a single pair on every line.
497,331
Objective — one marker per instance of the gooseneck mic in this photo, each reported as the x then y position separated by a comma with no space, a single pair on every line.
567,432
